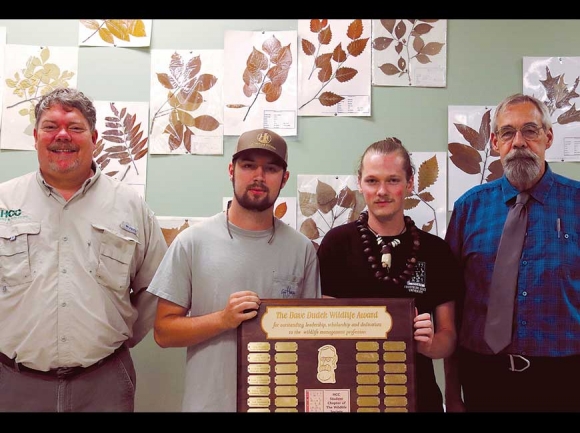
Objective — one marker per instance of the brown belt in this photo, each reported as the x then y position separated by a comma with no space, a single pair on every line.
61,372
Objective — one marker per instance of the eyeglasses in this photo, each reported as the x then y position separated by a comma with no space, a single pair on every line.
529,132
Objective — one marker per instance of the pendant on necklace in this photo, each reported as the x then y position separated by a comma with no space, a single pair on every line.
386,250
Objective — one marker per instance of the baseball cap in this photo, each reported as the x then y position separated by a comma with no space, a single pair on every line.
263,139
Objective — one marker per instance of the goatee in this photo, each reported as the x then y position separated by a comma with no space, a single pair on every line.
522,168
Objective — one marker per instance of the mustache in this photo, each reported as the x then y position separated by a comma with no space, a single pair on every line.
260,186
59,145
520,154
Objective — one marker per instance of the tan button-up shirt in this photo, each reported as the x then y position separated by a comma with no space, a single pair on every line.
73,274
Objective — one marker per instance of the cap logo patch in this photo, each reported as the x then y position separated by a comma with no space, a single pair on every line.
264,138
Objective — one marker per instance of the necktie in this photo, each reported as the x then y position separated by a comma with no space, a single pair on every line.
502,292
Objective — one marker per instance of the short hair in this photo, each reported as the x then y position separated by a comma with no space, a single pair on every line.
520,98
67,97
384,147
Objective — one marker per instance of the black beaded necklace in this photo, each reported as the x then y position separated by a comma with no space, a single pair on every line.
366,234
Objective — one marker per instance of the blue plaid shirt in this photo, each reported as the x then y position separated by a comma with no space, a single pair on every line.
547,316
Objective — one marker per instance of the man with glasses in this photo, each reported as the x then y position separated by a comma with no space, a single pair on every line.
538,369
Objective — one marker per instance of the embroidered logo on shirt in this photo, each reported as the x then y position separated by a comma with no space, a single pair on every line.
287,292
128,227
11,214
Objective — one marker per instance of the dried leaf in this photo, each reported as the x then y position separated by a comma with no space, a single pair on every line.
346,197
411,203
308,47
277,75
402,64
272,92
309,229
356,48
204,82
257,61
418,43
432,48
317,25
166,81
118,29
283,57
206,123
106,35
345,74
323,60
389,69
136,28
465,157
427,226
423,59
325,36
484,130
139,146
90,24
236,105
428,173
358,207
471,135
326,197
399,47
422,29
271,46
389,25
355,29
339,55
307,203
426,197
280,210
381,43
495,170
328,99
140,154
113,139
400,30
114,149
325,73
572,115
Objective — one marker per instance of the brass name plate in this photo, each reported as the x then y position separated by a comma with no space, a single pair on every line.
328,355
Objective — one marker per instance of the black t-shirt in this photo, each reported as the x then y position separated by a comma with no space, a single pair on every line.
346,273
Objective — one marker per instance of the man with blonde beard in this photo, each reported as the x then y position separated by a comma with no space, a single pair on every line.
537,370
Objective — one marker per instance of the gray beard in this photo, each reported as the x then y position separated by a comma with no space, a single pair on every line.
522,168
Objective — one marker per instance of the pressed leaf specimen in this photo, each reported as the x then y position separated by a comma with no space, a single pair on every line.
39,77
406,39
329,61
109,30
185,85
122,141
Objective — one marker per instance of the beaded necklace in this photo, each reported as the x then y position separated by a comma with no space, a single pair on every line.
366,234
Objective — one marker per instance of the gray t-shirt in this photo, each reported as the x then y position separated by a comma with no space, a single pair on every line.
203,267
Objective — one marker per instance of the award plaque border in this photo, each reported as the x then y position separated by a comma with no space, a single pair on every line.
328,355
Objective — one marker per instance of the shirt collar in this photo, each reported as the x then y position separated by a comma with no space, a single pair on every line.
539,191
47,189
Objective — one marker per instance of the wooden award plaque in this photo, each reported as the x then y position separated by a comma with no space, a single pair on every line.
328,355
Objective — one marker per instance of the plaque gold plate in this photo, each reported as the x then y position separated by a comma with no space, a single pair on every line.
328,355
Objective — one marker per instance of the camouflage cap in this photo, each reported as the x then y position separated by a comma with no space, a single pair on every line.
263,139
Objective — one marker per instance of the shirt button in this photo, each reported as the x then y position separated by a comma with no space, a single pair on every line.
63,339
65,239
524,293
525,262
63,304
4,289
64,271
524,322
566,236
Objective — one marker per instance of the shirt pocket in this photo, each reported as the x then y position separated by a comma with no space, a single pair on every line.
15,254
114,258
286,287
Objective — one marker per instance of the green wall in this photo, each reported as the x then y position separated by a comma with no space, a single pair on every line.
484,64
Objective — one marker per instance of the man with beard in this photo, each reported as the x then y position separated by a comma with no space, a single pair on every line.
77,251
215,273
538,370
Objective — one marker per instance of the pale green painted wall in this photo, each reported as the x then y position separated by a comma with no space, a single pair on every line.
484,61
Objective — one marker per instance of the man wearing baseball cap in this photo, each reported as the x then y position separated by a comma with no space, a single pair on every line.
215,273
